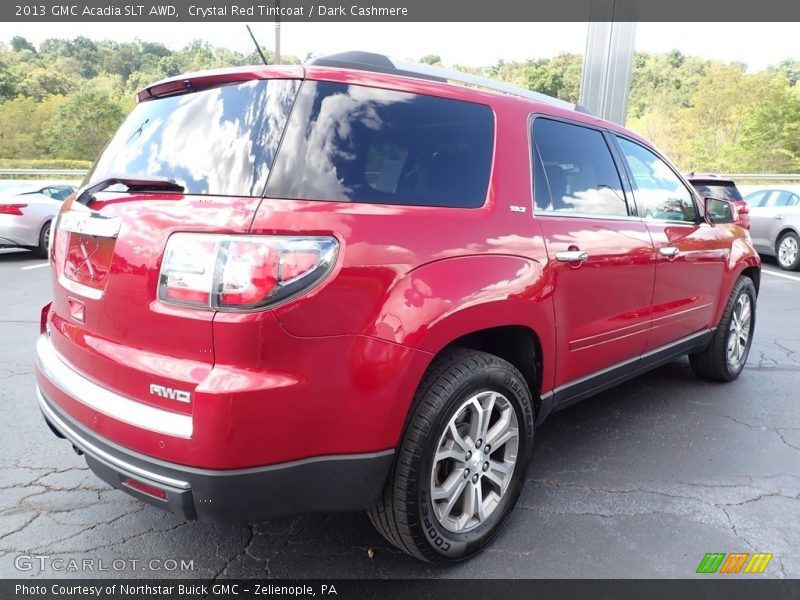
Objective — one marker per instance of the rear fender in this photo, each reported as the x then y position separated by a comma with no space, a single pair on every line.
442,301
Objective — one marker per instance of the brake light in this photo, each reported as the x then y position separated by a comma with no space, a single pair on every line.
230,272
12,209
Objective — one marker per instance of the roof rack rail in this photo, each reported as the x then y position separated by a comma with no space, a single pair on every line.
370,61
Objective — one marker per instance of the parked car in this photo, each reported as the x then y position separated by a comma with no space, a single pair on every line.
26,211
353,285
775,225
711,186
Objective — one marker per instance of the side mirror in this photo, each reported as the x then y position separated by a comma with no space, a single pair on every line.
719,211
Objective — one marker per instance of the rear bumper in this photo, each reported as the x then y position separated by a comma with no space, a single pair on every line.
323,484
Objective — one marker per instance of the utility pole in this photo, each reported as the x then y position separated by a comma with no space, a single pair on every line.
608,61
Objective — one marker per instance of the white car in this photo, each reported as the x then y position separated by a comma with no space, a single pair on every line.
775,225
26,211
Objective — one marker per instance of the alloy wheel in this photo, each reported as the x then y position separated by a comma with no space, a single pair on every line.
787,251
474,462
739,332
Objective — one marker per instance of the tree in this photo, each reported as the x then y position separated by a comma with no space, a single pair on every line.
41,82
431,59
86,121
19,43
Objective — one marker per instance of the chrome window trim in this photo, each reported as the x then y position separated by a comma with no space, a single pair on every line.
109,403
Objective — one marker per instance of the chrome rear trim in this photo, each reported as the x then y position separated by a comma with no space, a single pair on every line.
138,414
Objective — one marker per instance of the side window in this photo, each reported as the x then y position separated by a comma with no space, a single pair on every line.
48,192
349,143
756,199
659,193
573,171
786,199
59,193
794,200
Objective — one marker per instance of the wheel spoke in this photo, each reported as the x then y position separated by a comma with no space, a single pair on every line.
449,453
479,502
469,506
744,316
498,473
487,409
455,493
456,437
502,431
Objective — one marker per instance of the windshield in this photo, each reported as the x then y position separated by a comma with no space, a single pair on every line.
219,141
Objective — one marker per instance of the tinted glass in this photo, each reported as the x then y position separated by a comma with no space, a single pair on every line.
359,144
217,141
60,193
659,192
576,167
723,191
756,198
785,199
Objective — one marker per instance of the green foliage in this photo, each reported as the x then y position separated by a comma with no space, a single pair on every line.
43,163
64,99
86,121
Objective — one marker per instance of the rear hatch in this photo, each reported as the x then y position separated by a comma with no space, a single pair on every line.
216,140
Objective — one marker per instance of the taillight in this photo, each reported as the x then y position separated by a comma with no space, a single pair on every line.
12,209
232,272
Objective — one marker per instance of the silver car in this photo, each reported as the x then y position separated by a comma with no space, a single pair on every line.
775,225
26,211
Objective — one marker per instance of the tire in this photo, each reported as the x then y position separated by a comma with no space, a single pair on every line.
787,251
722,360
43,250
455,385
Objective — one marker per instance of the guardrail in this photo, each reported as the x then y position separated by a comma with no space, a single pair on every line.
759,177
80,173
39,173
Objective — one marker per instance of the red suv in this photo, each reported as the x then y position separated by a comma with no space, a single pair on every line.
354,285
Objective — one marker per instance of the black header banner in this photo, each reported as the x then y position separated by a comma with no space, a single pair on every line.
399,10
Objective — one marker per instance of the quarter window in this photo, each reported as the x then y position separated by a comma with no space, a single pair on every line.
659,192
349,143
573,171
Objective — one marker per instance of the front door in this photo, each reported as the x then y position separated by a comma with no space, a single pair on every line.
690,253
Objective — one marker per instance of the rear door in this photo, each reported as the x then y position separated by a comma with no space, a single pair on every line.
600,256
690,253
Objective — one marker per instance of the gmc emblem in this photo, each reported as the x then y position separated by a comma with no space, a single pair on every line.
168,392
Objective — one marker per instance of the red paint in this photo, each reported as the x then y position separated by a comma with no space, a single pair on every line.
334,370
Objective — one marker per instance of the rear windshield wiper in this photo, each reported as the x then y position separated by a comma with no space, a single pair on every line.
134,183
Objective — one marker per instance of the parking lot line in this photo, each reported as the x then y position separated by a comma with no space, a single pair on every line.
784,275
29,267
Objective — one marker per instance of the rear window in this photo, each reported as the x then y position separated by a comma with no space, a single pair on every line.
714,189
358,144
220,141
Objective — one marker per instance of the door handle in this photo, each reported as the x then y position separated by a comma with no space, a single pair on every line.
669,251
779,217
572,256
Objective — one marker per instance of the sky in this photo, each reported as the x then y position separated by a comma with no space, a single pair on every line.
755,44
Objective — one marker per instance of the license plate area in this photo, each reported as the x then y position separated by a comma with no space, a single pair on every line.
88,259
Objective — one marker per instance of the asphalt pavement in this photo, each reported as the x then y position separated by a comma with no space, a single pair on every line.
638,482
